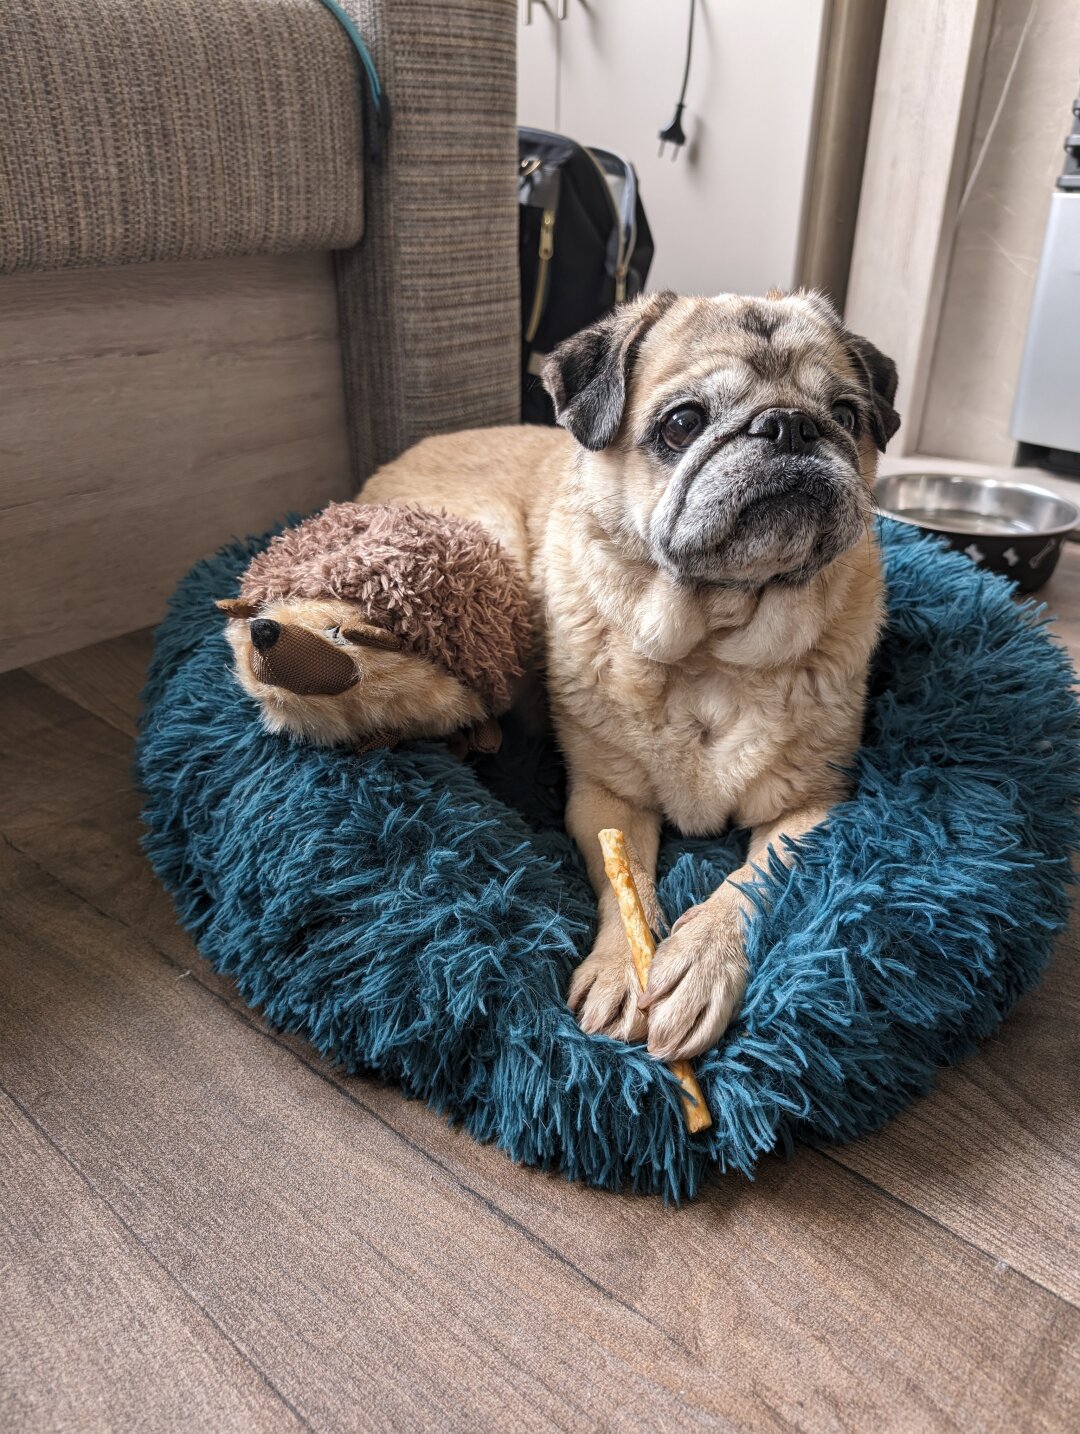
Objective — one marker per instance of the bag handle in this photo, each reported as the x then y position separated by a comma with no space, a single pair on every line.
618,264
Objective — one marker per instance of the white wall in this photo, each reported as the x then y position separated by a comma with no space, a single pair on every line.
727,213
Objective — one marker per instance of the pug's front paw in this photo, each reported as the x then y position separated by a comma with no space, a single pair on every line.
697,980
604,990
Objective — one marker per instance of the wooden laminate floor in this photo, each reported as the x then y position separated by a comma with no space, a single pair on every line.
204,1227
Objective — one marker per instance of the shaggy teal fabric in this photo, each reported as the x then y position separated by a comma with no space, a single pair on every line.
419,918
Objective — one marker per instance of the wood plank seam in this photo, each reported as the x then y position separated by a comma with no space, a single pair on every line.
137,1240
834,1159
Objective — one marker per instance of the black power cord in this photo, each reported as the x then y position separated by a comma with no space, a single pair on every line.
674,134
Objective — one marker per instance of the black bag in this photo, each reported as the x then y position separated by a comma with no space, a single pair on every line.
585,246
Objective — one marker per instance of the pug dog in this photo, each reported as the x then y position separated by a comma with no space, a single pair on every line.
713,599
702,563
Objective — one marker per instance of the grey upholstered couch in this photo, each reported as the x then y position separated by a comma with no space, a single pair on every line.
212,310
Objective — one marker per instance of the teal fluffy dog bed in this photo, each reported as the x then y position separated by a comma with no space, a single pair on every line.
419,918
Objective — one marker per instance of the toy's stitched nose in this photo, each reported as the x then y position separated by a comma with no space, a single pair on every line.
301,661
264,633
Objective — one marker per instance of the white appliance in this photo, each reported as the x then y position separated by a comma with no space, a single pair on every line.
1046,415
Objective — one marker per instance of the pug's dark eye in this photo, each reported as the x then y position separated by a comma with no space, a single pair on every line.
679,429
845,415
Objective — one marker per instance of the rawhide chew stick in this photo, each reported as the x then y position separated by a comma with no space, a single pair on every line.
642,949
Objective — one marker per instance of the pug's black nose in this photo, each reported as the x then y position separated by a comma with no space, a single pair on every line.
789,428
264,633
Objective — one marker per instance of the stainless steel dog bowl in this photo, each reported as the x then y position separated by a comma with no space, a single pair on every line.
1012,528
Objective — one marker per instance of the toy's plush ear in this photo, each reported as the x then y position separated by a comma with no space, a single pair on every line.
236,607
364,634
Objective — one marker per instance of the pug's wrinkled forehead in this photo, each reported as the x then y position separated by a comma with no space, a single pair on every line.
732,355
740,353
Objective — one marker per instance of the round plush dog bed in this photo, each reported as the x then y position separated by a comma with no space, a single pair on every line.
419,918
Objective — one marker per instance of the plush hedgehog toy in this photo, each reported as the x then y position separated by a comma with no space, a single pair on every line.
370,623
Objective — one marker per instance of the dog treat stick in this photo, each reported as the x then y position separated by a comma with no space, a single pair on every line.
642,949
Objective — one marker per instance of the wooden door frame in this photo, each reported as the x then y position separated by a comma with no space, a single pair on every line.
850,44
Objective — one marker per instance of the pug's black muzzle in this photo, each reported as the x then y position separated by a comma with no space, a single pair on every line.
761,512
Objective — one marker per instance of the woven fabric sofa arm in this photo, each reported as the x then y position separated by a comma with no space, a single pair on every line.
137,131
429,301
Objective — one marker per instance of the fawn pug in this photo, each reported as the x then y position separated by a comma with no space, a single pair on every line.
713,597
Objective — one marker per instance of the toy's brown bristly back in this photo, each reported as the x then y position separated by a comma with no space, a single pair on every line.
443,586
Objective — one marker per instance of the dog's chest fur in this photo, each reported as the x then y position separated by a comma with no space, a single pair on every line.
711,706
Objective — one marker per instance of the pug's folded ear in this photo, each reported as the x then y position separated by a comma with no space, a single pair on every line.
878,374
587,374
